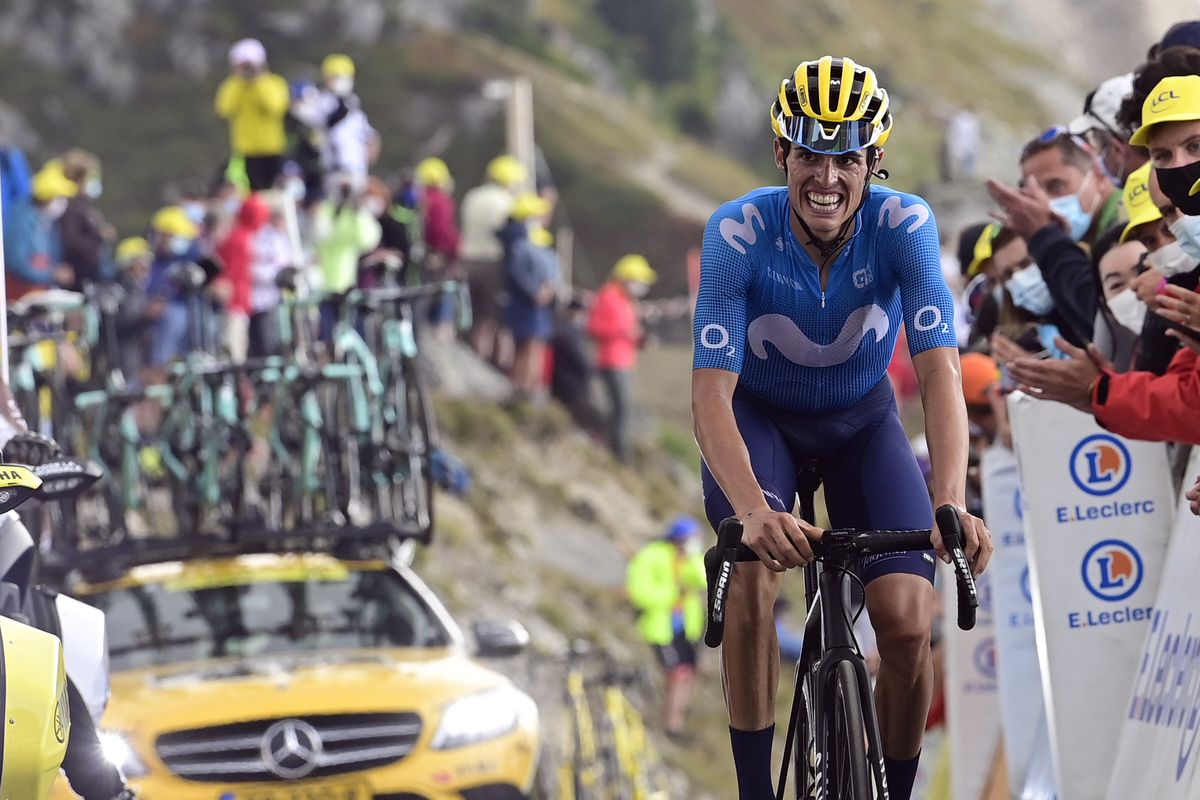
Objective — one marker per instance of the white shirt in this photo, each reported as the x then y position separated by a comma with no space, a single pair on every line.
484,211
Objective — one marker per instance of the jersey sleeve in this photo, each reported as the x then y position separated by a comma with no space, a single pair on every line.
719,328
911,235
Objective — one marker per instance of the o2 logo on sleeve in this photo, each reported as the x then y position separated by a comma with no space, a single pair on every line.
1112,570
1100,465
716,337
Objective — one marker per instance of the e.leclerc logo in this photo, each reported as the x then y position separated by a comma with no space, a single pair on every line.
1112,571
1100,465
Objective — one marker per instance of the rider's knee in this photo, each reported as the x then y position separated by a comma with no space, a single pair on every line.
903,643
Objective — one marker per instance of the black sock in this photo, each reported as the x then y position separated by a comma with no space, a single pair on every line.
901,772
752,760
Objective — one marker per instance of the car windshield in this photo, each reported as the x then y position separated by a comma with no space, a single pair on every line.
249,615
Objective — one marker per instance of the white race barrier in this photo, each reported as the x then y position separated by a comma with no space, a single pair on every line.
1098,513
972,710
1159,754
1018,676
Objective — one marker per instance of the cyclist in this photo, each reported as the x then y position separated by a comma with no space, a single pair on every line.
803,290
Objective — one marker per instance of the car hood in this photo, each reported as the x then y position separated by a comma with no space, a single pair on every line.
225,691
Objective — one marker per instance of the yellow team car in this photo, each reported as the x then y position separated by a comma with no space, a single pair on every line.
306,677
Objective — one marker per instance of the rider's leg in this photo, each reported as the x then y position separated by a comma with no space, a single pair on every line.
750,653
901,608
874,483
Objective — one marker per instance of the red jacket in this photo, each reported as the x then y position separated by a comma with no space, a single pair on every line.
441,226
614,326
1156,408
237,252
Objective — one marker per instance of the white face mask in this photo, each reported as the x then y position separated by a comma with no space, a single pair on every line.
341,85
1128,310
1171,259
55,208
637,289
1187,231
375,206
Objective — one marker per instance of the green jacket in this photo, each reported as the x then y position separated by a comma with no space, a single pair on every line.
656,580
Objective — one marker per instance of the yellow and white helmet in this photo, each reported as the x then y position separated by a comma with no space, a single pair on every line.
832,105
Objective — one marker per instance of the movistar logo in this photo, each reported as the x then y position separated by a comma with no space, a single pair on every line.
794,345
896,214
732,230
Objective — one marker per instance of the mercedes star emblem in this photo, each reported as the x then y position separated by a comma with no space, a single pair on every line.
291,749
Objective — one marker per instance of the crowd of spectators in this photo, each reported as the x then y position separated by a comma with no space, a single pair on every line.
298,190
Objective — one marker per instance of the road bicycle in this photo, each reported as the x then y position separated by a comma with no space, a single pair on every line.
833,731
633,768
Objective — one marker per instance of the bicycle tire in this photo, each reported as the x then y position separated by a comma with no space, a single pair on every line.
806,764
848,773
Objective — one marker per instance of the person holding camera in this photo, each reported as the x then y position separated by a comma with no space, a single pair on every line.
255,101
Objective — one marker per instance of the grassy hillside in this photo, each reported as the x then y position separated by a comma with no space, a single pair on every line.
634,162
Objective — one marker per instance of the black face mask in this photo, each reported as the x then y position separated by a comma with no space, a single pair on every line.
1177,183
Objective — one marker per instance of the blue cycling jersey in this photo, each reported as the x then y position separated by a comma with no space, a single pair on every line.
762,313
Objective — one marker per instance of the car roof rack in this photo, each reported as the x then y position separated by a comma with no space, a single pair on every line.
110,561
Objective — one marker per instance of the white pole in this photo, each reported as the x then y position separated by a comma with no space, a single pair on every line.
521,130
3,297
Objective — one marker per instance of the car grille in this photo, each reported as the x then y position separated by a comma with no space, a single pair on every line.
347,742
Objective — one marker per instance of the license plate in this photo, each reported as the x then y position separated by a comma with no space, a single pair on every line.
329,791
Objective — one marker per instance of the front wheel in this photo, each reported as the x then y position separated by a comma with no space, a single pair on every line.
847,771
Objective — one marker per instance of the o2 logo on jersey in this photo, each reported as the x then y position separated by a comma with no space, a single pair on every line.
732,230
1112,570
929,318
1100,465
716,337
895,213
984,658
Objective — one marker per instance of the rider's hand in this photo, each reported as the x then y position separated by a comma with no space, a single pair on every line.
1193,494
979,546
778,538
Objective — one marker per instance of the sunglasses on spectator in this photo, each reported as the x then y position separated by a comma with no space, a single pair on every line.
1053,133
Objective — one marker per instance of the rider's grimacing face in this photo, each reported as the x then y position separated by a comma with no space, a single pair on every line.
825,190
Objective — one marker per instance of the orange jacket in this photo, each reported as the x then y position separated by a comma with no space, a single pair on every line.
614,325
1156,408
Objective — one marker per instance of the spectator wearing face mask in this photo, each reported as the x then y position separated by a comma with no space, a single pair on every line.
86,235
351,144
32,241
615,327
531,280
254,101
173,237
1140,404
1100,127
1065,204
1121,315
1028,316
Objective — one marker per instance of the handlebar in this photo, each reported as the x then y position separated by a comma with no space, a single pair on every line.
720,561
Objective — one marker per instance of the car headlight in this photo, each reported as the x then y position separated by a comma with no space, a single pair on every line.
120,753
477,718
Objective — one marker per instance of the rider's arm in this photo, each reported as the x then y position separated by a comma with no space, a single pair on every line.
719,334
945,423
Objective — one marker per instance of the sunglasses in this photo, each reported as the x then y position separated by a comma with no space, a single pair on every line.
1052,134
